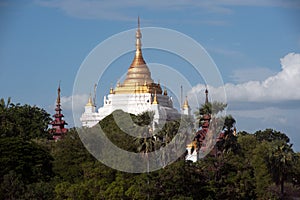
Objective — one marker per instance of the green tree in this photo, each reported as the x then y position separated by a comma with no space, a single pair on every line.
144,119
24,121
180,180
12,186
25,170
209,109
116,127
117,189
295,179
271,135
5,106
39,190
263,178
27,159
281,160
143,187
97,178
228,142
69,155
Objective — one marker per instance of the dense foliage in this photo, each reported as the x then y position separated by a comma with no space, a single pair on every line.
261,165
27,122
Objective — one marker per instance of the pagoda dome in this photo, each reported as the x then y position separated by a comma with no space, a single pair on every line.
138,72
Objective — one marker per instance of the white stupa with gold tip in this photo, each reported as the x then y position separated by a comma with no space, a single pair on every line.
186,110
137,94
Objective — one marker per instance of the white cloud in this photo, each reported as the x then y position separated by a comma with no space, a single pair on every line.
79,102
269,103
73,113
280,87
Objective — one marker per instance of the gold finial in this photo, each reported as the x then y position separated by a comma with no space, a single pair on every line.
186,103
111,91
190,145
155,99
58,94
90,102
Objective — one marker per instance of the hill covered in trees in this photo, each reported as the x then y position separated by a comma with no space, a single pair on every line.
260,165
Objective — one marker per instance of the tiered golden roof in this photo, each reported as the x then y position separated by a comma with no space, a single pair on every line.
138,79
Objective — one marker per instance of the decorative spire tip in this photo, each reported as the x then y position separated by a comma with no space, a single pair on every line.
206,95
155,99
58,93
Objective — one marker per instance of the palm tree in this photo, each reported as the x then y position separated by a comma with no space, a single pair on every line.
3,105
281,159
209,109
145,143
229,141
4,114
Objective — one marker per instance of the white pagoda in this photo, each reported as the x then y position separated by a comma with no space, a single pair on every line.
137,94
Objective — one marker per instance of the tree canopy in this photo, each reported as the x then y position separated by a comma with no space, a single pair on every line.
261,165
23,121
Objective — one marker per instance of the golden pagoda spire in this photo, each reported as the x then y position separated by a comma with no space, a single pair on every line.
138,36
155,99
138,59
90,102
138,71
185,104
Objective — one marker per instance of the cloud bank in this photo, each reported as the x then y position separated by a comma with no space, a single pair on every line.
273,102
283,86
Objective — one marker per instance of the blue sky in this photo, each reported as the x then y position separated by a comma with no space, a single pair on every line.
255,44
